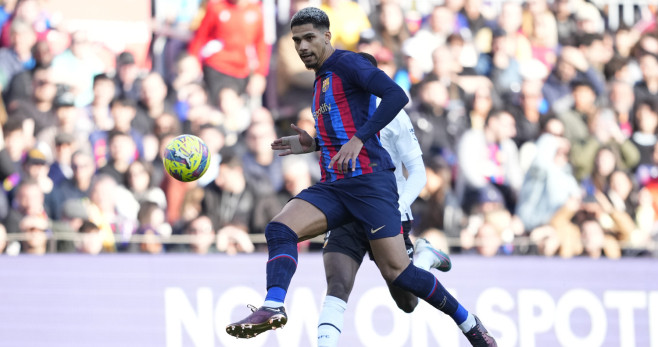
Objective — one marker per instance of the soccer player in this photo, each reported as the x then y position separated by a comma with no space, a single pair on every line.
357,182
346,246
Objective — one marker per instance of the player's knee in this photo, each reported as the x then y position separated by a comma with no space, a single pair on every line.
339,289
407,305
390,273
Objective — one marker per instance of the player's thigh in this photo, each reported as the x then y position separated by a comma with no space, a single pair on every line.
390,255
306,220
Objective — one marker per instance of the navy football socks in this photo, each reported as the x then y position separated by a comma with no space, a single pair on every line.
282,263
424,285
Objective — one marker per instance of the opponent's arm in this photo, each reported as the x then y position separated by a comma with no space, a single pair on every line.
415,181
393,100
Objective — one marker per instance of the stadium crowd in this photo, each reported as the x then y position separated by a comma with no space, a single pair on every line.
537,120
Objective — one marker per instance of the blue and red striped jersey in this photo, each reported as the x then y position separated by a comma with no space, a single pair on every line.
343,102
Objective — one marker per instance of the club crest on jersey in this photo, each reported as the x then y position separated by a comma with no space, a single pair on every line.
325,85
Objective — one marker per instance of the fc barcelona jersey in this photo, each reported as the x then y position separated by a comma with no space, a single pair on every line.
342,103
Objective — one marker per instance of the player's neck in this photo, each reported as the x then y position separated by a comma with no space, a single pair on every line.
329,51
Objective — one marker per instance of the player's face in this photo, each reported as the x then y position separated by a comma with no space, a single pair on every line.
313,45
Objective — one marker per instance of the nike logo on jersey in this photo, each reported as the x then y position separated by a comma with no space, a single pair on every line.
376,230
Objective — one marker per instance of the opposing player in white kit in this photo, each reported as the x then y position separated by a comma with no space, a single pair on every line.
346,246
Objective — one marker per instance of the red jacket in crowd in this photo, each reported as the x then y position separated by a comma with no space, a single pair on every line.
226,34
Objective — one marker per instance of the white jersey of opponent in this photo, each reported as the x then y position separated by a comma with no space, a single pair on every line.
399,139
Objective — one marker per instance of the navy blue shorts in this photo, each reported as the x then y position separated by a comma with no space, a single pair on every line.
370,200
352,241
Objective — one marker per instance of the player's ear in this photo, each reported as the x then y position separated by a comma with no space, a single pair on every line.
327,37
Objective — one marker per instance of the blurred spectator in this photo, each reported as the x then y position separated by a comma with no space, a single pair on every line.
437,28
152,216
35,168
20,86
231,200
597,55
28,201
227,29
77,66
527,112
30,12
139,183
471,15
622,100
480,105
501,65
392,29
445,69
567,26
98,111
571,65
152,103
203,235
437,206
17,56
39,108
544,39
89,239
437,129
647,88
234,109
487,158
584,108
188,70
113,210
35,238
73,216
127,80
121,154
594,241
645,136
262,166
68,119
548,183
75,188
123,112
172,27
347,20
604,133
150,241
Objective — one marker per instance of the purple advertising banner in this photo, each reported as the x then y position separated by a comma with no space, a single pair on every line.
185,300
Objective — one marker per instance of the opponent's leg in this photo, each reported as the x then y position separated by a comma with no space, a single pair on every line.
428,257
391,258
340,270
405,300
297,221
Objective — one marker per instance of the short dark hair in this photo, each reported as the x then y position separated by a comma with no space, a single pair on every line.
310,15
123,101
369,57
102,77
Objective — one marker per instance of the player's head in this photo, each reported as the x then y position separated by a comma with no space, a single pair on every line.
369,57
310,32
313,16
